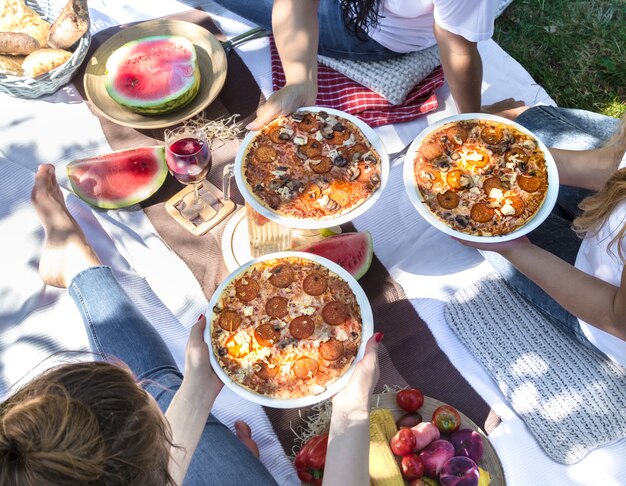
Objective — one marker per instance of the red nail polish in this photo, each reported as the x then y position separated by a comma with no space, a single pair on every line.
379,337
201,316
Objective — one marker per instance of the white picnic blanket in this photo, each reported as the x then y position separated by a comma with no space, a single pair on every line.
35,321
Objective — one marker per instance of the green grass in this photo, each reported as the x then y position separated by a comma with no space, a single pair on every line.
575,49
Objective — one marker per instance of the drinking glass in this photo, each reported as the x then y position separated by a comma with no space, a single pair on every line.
189,158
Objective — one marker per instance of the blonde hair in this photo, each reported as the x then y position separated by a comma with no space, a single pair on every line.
83,423
597,208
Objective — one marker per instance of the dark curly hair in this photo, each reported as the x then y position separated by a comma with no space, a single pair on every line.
358,15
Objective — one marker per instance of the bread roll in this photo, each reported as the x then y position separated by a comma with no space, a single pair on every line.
22,30
70,26
44,60
11,65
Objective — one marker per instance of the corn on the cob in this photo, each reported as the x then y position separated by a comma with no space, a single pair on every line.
384,417
384,470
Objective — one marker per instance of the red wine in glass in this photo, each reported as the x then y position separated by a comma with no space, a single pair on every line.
188,158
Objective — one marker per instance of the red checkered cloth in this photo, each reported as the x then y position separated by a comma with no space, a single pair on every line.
335,90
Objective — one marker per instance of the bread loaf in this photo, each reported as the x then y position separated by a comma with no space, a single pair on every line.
70,25
11,65
44,60
22,30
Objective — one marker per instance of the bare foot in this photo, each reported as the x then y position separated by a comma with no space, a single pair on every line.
66,251
244,434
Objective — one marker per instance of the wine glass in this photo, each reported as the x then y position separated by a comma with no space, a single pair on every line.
188,158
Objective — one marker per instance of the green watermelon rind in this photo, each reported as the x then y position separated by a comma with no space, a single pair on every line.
325,247
140,195
159,106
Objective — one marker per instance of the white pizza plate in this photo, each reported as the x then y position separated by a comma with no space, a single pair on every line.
367,320
412,190
310,223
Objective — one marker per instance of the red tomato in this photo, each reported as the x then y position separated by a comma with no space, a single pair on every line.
403,442
410,399
447,419
412,467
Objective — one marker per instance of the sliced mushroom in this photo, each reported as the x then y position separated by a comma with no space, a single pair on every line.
338,127
300,154
442,164
375,179
455,156
353,173
284,136
323,115
466,181
370,158
298,116
332,205
529,144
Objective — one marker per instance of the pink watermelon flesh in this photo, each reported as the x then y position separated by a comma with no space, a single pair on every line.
119,179
166,68
352,251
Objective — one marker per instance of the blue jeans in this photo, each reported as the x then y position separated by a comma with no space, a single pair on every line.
115,327
334,39
567,129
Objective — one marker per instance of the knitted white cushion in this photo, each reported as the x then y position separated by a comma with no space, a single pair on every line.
393,79
572,399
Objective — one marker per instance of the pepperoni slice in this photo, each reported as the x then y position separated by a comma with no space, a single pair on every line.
275,136
492,135
312,148
309,124
277,307
516,156
229,320
334,313
331,349
302,327
265,154
432,149
457,135
312,193
305,368
448,199
481,212
282,275
266,335
454,179
478,157
492,183
236,349
266,370
339,137
428,175
246,289
529,183
315,284
321,165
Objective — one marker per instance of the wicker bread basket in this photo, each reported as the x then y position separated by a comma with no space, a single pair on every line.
48,83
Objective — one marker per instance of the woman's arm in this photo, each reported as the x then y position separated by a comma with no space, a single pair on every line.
347,457
192,403
462,67
589,169
295,28
589,298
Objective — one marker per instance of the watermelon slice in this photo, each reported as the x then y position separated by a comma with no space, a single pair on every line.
352,251
119,179
153,75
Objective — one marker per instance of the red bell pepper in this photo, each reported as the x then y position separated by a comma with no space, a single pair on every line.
310,460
